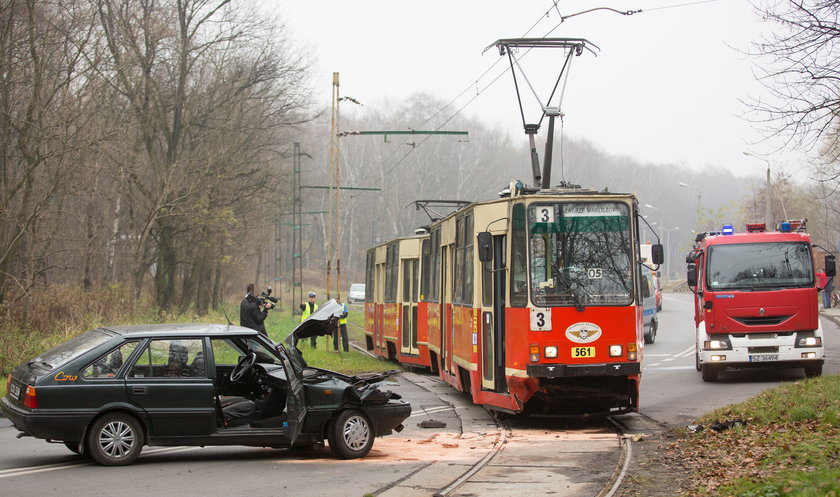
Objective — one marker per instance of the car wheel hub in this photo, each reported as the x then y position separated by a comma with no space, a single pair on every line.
116,439
356,433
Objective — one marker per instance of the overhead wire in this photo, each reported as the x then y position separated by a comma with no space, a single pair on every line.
544,15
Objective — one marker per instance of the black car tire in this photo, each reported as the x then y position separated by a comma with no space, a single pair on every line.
351,435
650,336
813,370
115,439
709,372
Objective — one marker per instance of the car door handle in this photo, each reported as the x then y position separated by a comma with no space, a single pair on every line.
139,390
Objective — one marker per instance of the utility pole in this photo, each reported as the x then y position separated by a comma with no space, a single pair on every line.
297,245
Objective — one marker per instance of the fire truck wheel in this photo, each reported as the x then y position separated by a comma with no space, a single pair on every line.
813,370
709,372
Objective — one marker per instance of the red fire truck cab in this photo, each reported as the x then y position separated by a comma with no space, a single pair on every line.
756,299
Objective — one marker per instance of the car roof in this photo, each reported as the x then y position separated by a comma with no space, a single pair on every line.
180,329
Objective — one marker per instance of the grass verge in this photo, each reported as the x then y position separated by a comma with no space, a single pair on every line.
789,444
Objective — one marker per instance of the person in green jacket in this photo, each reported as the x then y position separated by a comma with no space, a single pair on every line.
307,309
342,329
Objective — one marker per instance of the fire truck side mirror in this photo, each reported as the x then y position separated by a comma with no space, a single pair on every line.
691,275
657,254
830,267
485,246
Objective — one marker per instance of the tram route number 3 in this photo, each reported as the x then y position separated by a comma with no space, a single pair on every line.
540,319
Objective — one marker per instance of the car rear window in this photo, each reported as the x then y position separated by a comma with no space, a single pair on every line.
70,350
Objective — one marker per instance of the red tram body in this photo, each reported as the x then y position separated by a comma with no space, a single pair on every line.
524,302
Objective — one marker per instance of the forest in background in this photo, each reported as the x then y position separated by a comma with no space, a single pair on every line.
145,160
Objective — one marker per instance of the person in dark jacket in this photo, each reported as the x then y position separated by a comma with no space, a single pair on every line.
250,314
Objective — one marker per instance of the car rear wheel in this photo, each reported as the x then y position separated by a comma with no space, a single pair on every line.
115,440
351,435
650,336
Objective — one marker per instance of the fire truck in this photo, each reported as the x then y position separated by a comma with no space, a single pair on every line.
756,299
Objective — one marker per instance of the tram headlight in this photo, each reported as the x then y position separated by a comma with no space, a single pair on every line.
615,351
535,353
551,352
631,352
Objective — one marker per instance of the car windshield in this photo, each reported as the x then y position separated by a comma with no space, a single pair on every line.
580,254
70,350
759,266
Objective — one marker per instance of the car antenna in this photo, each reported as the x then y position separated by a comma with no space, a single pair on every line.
226,315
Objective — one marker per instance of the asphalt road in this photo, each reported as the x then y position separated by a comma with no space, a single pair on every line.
673,392
418,461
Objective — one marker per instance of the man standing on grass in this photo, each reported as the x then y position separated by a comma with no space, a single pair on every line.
307,309
342,328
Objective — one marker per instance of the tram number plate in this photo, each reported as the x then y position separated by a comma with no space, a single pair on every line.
578,352
764,358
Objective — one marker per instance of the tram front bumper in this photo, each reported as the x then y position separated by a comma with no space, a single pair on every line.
573,370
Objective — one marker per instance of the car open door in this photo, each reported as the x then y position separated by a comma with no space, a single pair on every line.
295,402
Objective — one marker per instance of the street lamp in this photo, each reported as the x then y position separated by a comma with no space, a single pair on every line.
768,219
686,185
668,249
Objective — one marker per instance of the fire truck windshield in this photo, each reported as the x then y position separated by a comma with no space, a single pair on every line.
755,266
580,254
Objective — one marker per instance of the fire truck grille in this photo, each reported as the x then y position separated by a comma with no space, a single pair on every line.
763,350
762,320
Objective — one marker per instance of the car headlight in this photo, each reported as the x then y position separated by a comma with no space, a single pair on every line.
717,344
551,352
809,342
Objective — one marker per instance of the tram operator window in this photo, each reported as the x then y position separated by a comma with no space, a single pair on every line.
580,254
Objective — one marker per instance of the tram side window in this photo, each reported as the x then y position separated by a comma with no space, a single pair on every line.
369,271
425,256
434,270
518,259
391,273
458,280
468,260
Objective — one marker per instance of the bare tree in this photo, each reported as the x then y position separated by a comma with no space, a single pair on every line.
800,65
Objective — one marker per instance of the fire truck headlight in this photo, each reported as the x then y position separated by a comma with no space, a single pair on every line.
718,358
809,355
717,345
809,342
551,352
615,351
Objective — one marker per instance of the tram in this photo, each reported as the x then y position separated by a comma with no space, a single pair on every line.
530,302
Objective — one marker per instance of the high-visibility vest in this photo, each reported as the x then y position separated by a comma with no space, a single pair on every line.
344,311
305,314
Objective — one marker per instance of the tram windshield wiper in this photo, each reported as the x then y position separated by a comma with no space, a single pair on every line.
570,284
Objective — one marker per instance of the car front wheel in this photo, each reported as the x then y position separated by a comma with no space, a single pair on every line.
115,440
351,436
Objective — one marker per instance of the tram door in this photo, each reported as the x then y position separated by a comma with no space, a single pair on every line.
411,277
445,308
492,325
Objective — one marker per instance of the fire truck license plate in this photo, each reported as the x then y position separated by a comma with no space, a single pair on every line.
578,352
764,358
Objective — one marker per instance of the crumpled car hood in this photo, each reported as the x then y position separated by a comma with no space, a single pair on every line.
321,323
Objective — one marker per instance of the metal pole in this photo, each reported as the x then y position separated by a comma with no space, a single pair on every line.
768,218
549,149
297,243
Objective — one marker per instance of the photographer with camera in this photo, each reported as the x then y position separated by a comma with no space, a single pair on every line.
250,314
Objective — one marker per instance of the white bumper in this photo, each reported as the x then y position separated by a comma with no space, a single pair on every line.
758,349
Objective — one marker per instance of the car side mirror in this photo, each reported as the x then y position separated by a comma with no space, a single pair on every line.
691,275
657,254
830,267
485,246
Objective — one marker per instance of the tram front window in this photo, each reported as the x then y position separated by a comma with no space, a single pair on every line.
580,254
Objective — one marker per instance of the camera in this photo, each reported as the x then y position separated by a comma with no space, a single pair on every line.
266,300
